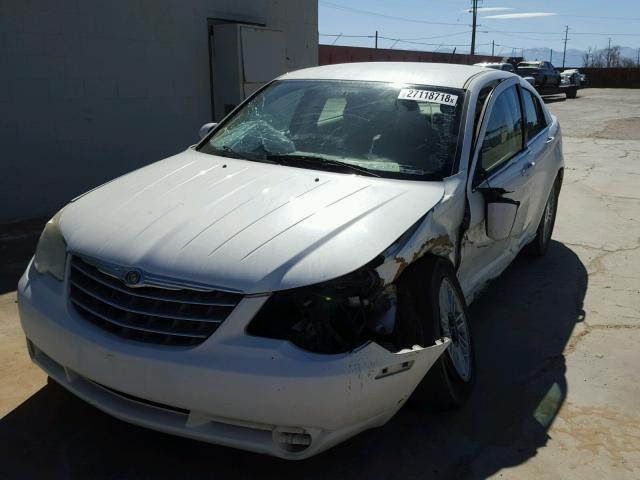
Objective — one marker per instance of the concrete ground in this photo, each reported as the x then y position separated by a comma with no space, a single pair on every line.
558,348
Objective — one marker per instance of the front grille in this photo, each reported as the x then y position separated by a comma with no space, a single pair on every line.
148,314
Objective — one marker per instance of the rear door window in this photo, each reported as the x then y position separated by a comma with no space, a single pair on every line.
535,121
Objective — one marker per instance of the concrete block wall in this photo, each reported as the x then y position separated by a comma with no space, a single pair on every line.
92,89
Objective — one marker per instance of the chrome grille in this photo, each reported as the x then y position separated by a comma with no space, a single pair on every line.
148,314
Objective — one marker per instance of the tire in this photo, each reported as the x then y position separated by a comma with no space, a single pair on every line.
450,380
540,244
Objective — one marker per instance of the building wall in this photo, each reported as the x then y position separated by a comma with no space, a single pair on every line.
329,54
92,89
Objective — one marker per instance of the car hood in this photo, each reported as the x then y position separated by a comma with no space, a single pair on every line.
243,226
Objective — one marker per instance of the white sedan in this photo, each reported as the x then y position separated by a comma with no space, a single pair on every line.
304,270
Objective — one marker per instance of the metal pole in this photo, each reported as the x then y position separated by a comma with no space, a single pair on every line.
473,28
493,46
376,38
564,53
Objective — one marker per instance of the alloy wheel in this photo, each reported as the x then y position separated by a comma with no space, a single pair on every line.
453,324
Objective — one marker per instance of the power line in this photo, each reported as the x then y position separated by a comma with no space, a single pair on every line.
596,16
556,33
381,15
402,40
345,36
546,39
438,44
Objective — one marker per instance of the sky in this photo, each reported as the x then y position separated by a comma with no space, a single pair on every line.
444,24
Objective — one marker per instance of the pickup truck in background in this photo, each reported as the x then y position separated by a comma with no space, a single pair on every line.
547,80
543,73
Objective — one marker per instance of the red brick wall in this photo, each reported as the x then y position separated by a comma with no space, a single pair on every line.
329,54
612,77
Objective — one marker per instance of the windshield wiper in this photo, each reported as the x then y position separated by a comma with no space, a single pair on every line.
230,152
319,162
227,151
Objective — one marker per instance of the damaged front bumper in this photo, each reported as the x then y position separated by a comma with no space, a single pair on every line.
234,389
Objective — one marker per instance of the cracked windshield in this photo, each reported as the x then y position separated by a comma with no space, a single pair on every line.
366,128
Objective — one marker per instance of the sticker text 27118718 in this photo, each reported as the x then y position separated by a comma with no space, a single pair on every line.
428,96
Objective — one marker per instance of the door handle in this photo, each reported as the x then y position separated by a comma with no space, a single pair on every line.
550,139
528,166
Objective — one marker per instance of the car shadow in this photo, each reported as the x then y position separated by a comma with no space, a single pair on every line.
522,325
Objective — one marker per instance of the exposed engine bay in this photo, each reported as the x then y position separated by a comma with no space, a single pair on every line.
335,316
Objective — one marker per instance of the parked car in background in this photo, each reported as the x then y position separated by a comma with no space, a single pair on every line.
543,73
583,80
571,76
298,275
507,67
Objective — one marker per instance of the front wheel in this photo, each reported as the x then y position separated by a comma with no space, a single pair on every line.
440,310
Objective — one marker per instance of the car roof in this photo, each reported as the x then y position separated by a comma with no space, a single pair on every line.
419,73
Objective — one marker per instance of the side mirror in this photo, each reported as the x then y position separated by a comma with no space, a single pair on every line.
205,129
500,213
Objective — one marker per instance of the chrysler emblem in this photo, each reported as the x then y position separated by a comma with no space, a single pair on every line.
132,277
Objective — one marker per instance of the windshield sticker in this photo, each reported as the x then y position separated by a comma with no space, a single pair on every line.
428,96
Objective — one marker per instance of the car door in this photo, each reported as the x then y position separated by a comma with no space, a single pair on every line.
541,141
546,72
500,171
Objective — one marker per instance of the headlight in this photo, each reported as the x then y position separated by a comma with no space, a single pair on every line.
332,317
51,252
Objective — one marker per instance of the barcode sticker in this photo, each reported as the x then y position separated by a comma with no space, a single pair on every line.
428,96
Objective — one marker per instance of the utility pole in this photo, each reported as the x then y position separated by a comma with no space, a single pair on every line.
638,61
564,53
473,27
493,46
609,54
551,55
376,38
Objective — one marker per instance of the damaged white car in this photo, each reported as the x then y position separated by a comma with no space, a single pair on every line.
305,269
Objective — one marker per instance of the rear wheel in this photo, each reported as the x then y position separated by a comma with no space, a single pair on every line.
433,300
540,243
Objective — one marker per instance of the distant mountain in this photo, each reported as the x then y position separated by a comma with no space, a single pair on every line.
574,58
